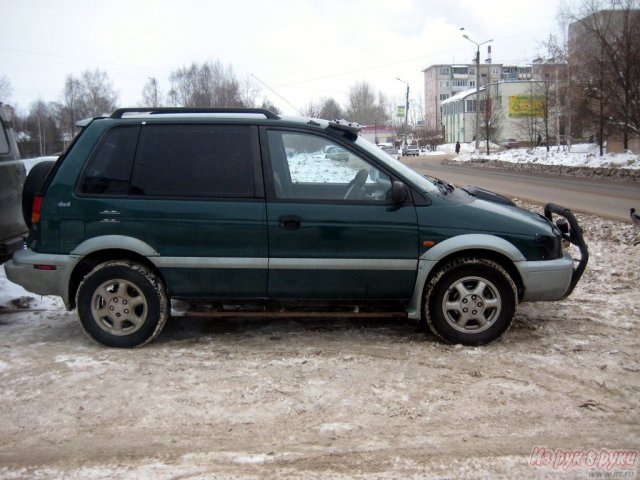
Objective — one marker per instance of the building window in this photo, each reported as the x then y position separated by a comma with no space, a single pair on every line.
471,106
445,71
495,71
444,96
444,83
472,83
459,82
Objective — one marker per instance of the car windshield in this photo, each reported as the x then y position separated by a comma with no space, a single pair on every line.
415,178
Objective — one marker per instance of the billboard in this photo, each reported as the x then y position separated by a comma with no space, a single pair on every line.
525,106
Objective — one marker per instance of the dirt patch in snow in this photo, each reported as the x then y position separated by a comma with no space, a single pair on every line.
326,398
612,174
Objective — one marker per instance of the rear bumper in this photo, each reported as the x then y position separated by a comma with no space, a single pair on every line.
24,270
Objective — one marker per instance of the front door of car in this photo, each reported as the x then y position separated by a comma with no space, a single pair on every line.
334,231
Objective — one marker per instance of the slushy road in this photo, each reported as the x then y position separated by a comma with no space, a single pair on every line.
600,197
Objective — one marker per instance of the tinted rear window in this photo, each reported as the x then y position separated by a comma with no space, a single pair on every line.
109,169
196,161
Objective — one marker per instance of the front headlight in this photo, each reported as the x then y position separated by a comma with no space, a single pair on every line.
549,247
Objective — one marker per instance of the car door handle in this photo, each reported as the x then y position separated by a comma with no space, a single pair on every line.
289,222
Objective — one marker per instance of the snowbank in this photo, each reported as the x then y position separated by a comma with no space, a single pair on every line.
581,155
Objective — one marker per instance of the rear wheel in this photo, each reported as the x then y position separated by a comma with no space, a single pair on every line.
122,304
470,301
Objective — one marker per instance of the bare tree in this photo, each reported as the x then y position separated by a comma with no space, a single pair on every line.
151,94
491,118
529,115
89,96
363,106
5,88
38,132
326,108
556,72
99,97
206,85
606,65
69,108
545,110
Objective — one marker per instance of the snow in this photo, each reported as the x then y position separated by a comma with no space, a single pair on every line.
580,155
13,296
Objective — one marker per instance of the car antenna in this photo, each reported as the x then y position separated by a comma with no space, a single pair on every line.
288,102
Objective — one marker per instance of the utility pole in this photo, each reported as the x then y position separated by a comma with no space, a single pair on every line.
477,88
406,112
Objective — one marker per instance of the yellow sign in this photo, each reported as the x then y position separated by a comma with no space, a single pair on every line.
524,106
401,111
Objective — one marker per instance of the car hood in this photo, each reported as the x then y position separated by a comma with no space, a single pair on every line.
476,215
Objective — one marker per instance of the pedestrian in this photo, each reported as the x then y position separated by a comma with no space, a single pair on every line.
457,147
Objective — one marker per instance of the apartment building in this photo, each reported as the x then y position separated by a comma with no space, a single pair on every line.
443,81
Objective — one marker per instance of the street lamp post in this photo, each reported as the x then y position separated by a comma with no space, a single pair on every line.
406,112
477,89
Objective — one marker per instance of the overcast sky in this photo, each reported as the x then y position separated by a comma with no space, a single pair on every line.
301,49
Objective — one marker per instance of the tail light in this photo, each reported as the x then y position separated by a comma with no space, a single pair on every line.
35,209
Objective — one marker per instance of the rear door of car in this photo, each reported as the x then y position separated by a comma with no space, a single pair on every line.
334,232
193,192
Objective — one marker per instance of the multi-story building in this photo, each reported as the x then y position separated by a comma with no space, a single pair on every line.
450,92
443,81
510,108
603,59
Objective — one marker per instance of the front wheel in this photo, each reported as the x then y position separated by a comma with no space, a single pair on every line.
470,301
122,304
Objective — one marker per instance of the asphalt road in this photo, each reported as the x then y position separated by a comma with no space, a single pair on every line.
606,199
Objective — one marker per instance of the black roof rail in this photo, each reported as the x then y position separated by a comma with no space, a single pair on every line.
154,111
351,128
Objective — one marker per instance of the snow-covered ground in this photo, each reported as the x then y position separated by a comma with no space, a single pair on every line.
581,155
326,398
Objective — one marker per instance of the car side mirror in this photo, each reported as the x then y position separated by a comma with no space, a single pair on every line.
399,192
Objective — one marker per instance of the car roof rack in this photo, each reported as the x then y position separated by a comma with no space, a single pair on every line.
119,113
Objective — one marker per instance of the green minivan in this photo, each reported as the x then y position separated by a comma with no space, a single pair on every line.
158,212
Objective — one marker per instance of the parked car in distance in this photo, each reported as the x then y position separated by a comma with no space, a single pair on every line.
12,176
410,150
337,153
210,212
393,151
509,143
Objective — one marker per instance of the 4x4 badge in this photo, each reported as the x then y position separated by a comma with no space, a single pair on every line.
64,204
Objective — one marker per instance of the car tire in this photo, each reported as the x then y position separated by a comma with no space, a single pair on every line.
122,304
470,301
32,184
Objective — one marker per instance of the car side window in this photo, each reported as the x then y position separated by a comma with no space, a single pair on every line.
196,160
109,170
316,168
